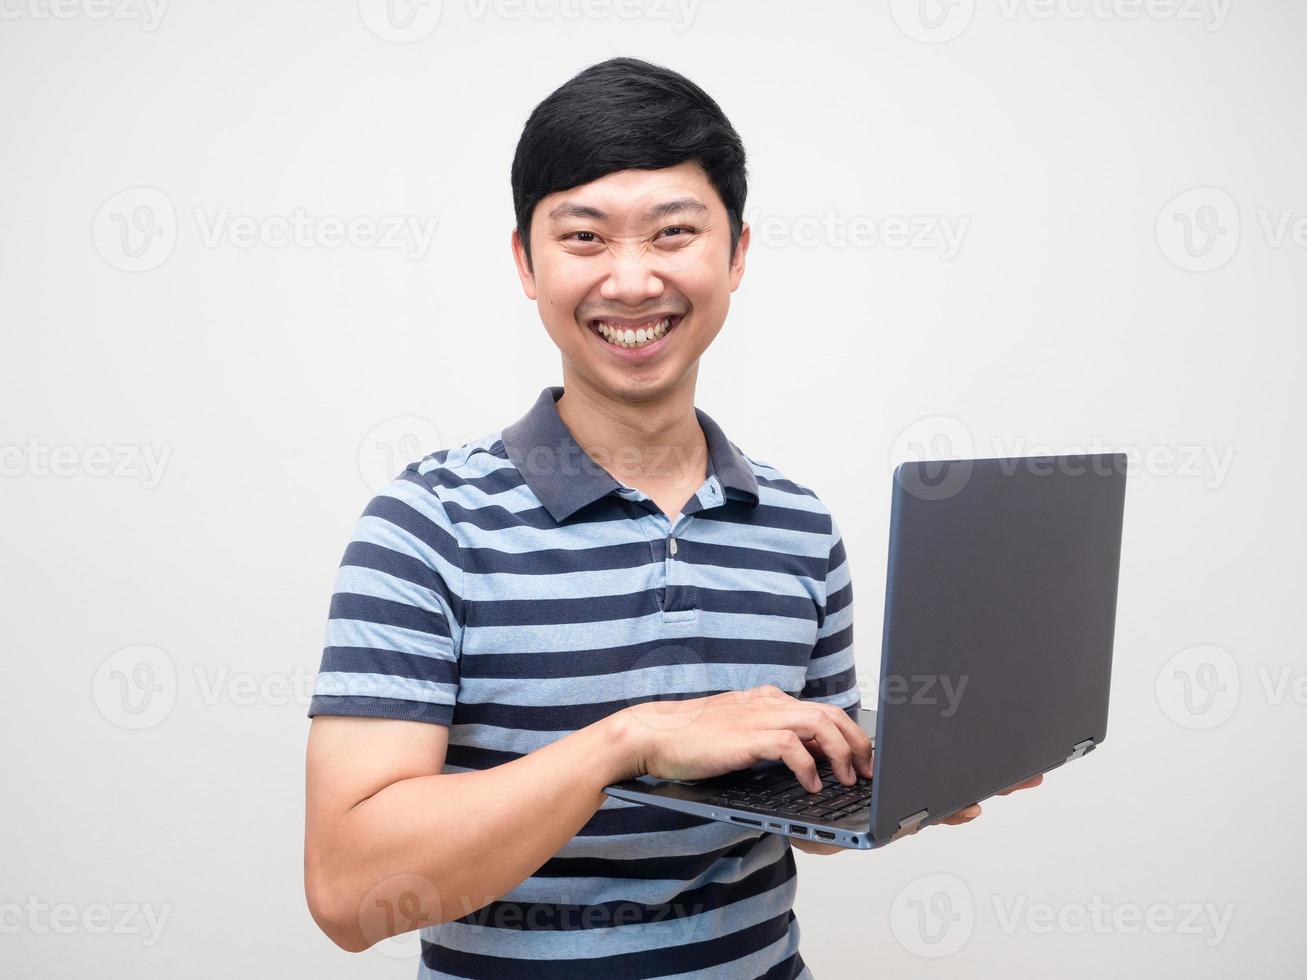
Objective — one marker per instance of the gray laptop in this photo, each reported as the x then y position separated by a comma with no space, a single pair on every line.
1000,610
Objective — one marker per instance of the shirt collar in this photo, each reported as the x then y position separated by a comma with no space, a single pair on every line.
566,478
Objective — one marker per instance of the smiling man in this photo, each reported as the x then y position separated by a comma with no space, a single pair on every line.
606,588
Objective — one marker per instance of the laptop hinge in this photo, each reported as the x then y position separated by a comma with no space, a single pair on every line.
910,823
1080,748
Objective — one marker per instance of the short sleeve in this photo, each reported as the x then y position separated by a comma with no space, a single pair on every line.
832,675
393,629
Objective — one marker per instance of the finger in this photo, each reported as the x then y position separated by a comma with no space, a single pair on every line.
785,744
811,722
859,741
816,722
965,815
861,755
1024,784
815,748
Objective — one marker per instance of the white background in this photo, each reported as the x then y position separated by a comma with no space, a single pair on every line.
277,385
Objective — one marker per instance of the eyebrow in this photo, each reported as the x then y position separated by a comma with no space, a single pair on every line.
681,205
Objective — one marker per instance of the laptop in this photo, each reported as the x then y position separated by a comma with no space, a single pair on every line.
996,657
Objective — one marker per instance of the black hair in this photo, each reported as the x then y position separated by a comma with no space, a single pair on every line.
625,114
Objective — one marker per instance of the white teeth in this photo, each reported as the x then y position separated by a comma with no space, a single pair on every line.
633,337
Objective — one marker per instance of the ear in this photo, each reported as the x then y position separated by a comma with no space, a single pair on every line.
523,266
737,260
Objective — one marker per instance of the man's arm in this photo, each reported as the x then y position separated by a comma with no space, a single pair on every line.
393,844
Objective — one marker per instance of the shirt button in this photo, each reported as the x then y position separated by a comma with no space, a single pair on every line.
671,544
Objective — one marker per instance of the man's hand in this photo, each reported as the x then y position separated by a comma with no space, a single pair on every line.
970,813
704,737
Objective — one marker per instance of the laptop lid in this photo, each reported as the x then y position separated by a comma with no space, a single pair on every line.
1000,610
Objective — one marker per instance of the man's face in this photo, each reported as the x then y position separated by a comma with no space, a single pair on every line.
641,251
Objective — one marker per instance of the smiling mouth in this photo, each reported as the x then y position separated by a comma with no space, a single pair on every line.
635,334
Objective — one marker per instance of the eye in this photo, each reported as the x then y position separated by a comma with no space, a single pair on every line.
578,236
676,231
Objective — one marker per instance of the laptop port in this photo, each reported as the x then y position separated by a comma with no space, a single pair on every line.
774,826
825,835
751,823
796,829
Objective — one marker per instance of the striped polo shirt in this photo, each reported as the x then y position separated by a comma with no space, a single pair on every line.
515,591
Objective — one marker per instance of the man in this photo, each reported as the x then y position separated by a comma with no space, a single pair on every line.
606,588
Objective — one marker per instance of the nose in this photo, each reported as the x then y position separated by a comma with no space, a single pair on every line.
630,280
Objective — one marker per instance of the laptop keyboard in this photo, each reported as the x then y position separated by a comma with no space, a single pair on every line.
776,791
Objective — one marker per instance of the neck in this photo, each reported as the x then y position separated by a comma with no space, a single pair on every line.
654,441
